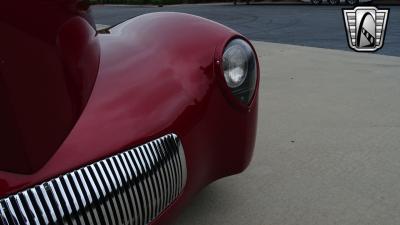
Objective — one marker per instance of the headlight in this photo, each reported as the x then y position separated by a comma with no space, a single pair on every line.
240,69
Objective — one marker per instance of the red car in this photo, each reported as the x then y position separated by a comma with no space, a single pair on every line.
118,128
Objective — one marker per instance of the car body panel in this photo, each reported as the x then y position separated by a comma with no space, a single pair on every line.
47,71
158,73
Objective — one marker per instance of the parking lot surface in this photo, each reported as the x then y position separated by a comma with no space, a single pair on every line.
305,25
327,149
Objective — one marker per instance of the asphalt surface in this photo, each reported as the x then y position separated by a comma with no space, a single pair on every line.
305,25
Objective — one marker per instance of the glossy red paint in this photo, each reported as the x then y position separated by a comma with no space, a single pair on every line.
158,74
49,56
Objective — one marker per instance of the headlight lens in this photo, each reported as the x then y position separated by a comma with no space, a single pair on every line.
240,69
235,66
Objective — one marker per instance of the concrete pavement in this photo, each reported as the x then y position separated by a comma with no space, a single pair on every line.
328,142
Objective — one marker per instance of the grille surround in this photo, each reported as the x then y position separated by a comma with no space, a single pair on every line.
132,187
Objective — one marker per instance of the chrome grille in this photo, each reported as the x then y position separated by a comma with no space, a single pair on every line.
132,188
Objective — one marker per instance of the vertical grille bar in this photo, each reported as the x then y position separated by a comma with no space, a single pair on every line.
130,188
30,208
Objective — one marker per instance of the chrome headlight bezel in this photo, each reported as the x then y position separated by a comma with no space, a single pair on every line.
240,69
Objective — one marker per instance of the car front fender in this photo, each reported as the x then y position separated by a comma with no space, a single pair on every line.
159,73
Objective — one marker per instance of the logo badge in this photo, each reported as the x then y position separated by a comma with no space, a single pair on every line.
366,27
